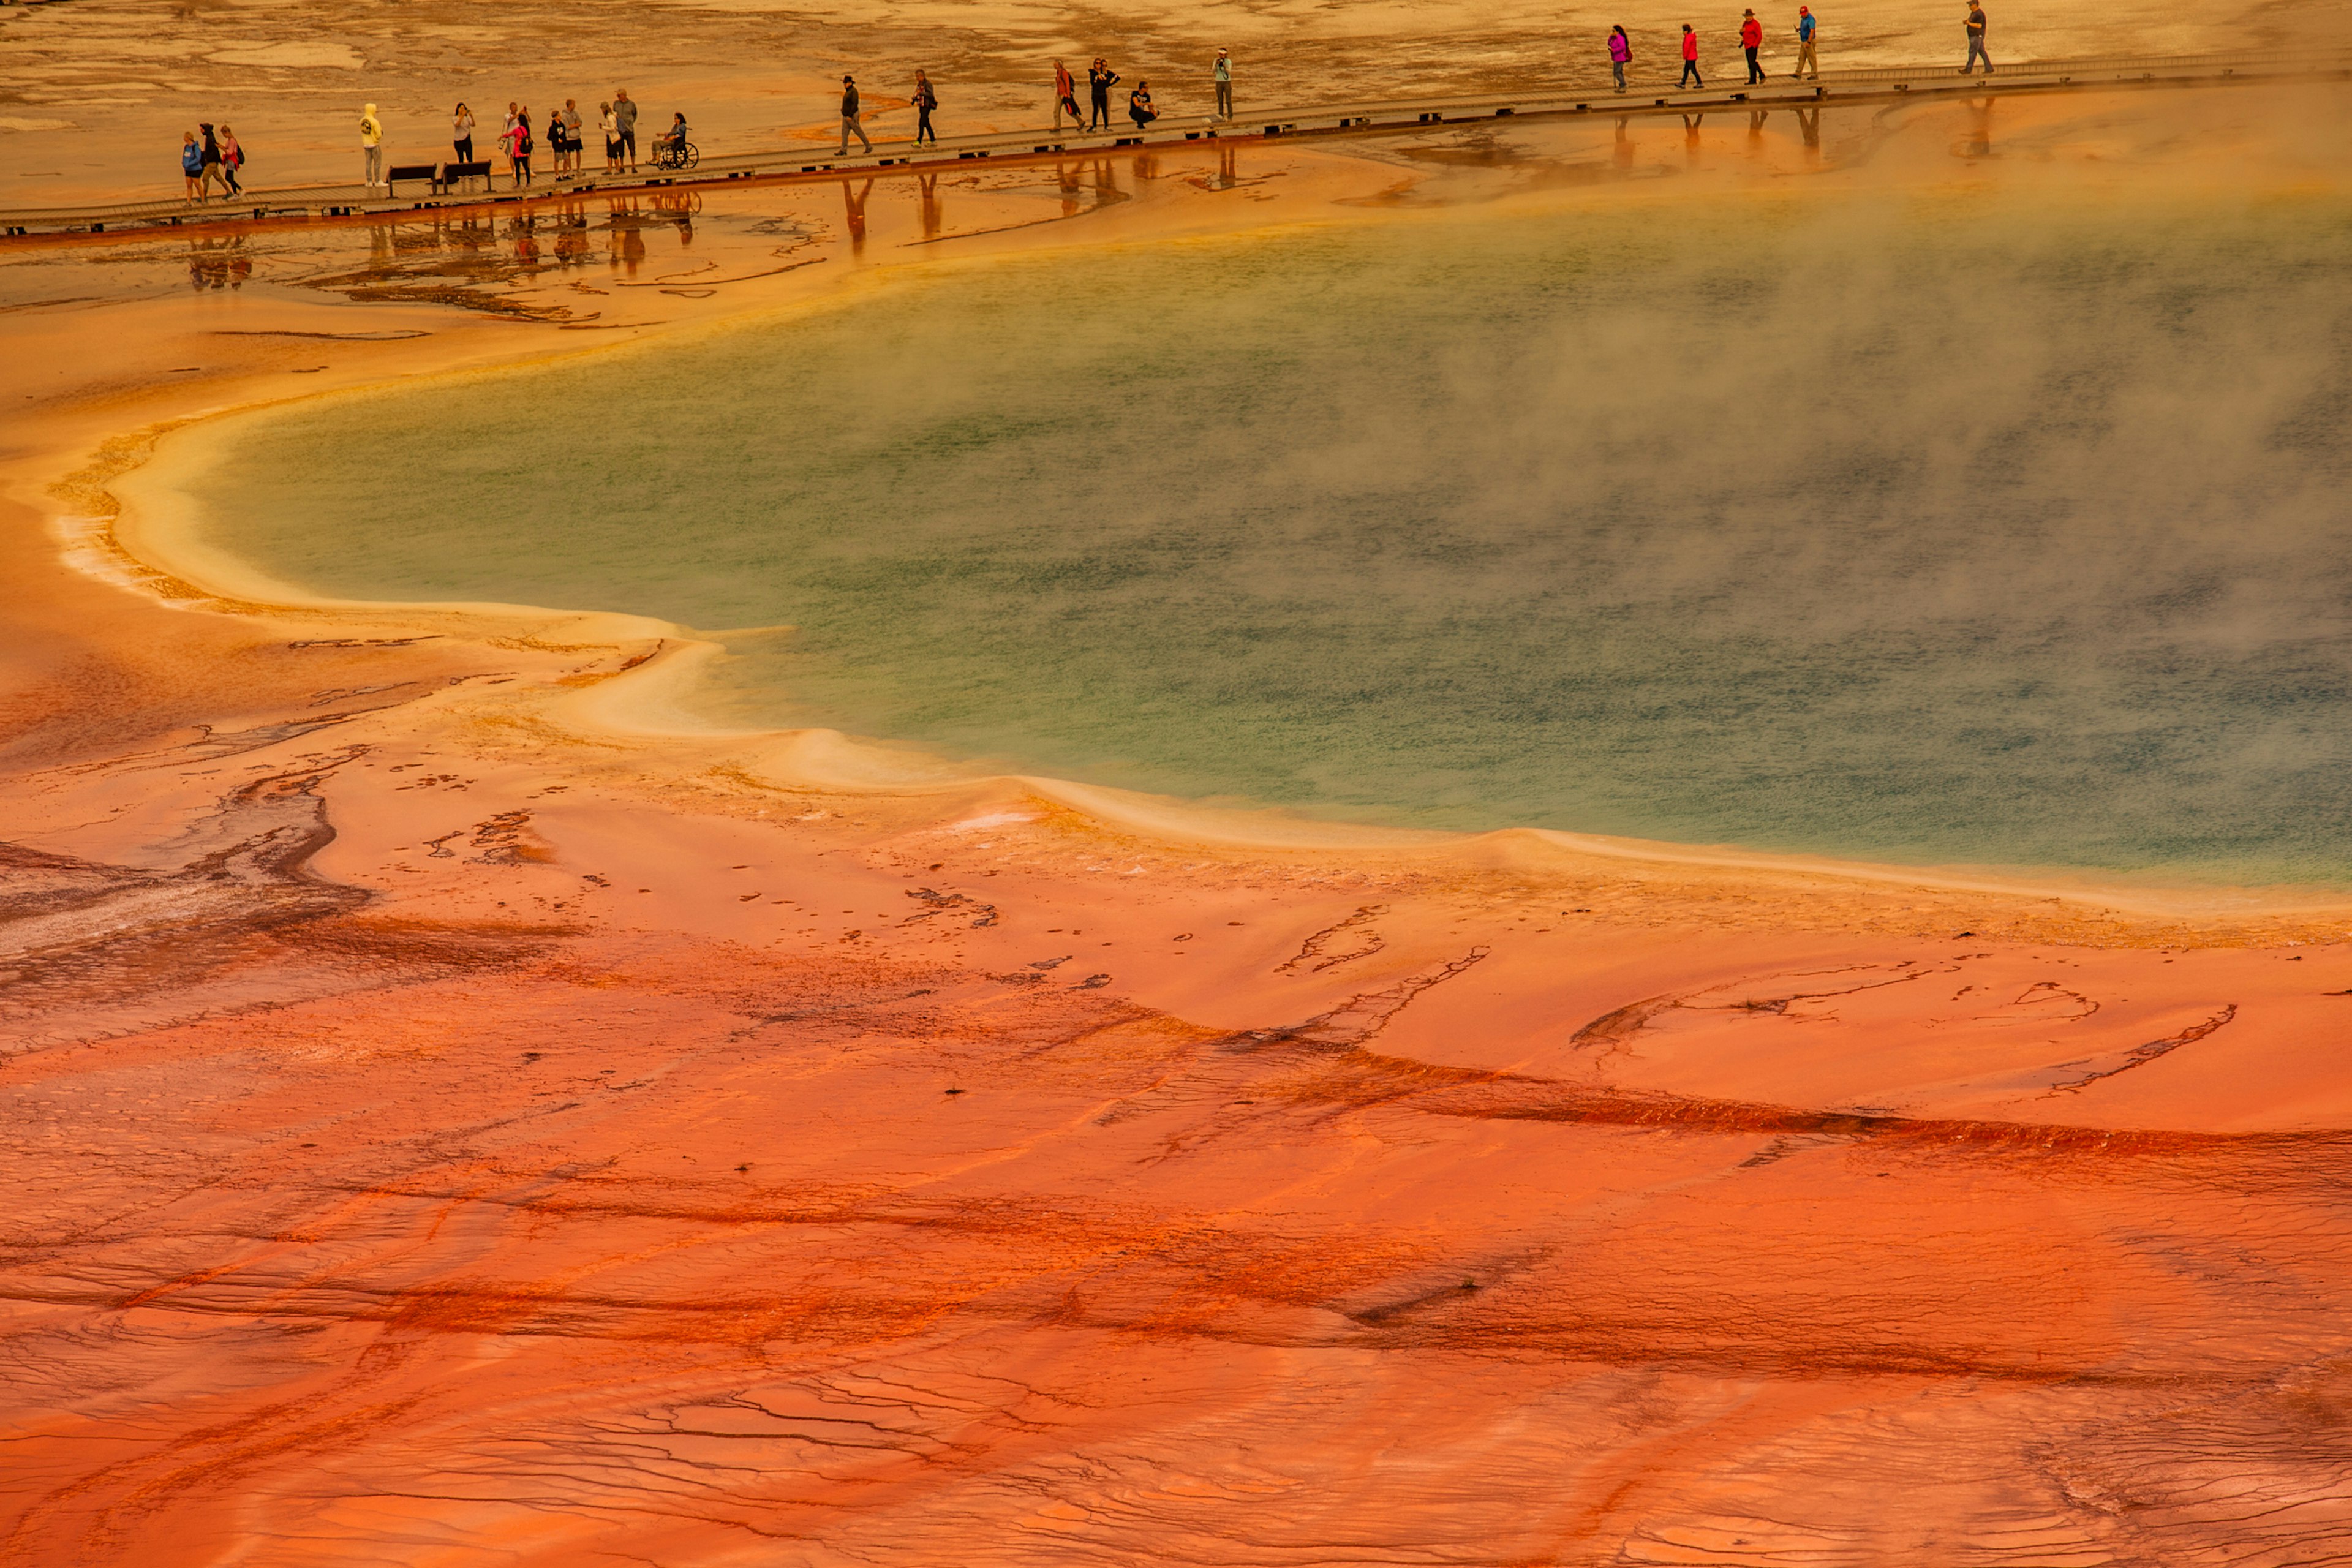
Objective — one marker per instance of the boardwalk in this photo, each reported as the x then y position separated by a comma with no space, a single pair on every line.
1593,96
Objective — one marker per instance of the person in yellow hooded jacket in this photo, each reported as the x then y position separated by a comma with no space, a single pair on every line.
371,144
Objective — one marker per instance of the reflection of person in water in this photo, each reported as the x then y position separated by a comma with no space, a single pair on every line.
855,201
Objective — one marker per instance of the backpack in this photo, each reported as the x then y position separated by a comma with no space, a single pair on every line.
526,144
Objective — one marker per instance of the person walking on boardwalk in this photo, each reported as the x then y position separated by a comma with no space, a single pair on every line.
1807,61
1690,59
232,160
1223,73
1065,97
1977,41
1620,55
849,120
191,165
371,144
209,162
624,122
1138,104
926,98
461,133
1751,38
1099,80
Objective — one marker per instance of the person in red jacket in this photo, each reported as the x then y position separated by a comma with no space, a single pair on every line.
1751,38
1690,59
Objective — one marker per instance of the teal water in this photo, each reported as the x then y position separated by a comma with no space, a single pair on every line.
1999,534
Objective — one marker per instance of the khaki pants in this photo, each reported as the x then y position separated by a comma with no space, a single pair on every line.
374,165
1805,60
1224,100
850,127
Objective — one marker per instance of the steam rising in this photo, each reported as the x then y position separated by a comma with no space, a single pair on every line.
1964,530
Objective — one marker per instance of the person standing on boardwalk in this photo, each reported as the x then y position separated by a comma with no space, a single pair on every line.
849,121
191,165
1751,38
1223,72
1620,55
1690,59
926,98
571,138
1976,40
371,144
461,133
1807,61
612,129
1065,97
519,148
232,160
1099,80
624,122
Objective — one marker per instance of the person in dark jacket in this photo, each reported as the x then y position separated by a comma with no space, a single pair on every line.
209,160
925,101
1099,80
849,121
1976,25
1138,105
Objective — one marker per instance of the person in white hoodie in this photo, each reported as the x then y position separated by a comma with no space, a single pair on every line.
372,143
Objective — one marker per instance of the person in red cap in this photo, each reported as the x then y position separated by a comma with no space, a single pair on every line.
1807,61
1751,38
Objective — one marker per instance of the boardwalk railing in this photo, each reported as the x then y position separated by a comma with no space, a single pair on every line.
1592,94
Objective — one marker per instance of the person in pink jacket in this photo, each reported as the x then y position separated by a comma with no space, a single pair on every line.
1751,38
1621,51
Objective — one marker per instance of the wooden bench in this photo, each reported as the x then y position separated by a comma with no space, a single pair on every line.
439,177
429,173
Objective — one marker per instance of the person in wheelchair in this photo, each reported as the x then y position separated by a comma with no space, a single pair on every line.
673,141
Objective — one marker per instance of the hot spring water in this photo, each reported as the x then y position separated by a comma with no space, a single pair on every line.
1986,535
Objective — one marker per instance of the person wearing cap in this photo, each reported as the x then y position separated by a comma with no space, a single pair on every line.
1976,29
372,143
1225,75
1751,38
1808,63
849,118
